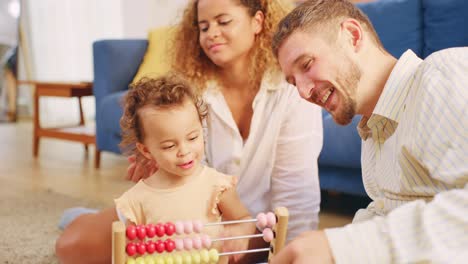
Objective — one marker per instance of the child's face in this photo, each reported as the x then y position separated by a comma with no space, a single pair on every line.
173,137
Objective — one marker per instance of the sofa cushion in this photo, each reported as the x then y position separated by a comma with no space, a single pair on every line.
399,24
111,109
341,144
156,60
446,24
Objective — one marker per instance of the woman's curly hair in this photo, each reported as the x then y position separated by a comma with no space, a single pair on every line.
190,60
164,92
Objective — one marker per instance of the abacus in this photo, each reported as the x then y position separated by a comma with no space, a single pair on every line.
194,250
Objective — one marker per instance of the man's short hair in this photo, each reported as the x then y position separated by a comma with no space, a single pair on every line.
323,16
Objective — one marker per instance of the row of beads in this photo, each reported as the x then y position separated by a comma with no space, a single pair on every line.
195,257
188,243
160,230
150,247
186,227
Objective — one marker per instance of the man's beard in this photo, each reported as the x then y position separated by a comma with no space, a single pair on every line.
349,80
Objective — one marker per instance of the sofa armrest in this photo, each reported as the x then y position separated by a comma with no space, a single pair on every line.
115,64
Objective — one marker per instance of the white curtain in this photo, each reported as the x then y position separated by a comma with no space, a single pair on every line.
61,33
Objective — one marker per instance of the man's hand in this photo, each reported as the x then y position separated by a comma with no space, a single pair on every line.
140,168
309,247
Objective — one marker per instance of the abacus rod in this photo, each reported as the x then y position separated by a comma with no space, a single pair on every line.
231,222
244,251
236,237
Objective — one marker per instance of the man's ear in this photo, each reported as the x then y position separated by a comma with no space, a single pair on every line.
258,20
352,30
144,151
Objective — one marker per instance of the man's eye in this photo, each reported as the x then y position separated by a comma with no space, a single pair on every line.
168,147
193,138
224,22
203,29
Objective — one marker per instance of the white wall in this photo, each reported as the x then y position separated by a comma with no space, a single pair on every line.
61,34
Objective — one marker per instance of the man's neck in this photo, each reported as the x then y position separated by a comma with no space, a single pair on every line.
375,74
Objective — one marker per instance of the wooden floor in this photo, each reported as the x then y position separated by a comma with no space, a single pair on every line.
63,167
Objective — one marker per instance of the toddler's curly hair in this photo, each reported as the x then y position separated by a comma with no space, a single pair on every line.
164,92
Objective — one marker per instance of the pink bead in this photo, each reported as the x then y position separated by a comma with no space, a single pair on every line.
179,244
197,226
141,231
197,243
131,232
267,235
188,243
188,227
261,221
206,241
179,227
131,249
160,230
169,245
169,228
271,219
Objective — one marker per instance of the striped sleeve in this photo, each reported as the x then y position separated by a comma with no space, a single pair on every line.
434,153
434,232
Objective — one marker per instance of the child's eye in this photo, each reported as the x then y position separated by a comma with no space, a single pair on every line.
193,138
203,29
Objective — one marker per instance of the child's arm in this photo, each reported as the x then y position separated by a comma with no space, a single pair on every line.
232,208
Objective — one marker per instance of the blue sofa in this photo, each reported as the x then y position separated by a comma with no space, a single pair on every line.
424,26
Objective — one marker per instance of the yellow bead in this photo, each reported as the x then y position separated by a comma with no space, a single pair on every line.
205,256
169,259
196,257
131,261
158,259
214,256
140,260
149,260
187,258
178,259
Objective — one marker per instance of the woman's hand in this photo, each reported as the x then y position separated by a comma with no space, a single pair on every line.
140,168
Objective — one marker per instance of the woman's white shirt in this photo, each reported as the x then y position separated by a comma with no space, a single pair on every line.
277,164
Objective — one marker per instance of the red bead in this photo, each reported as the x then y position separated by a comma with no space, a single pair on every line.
131,249
150,247
150,230
160,247
169,228
131,232
141,231
160,231
170,245
141,248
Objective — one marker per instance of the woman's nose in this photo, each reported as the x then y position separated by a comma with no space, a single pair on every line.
213,31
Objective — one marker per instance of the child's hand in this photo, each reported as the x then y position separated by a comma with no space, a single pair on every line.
237,244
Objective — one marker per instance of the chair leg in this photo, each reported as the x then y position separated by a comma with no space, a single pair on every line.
97,158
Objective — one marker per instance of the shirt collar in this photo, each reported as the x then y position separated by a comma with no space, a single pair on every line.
386,115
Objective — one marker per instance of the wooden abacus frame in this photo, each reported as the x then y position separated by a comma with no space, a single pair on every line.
119,239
